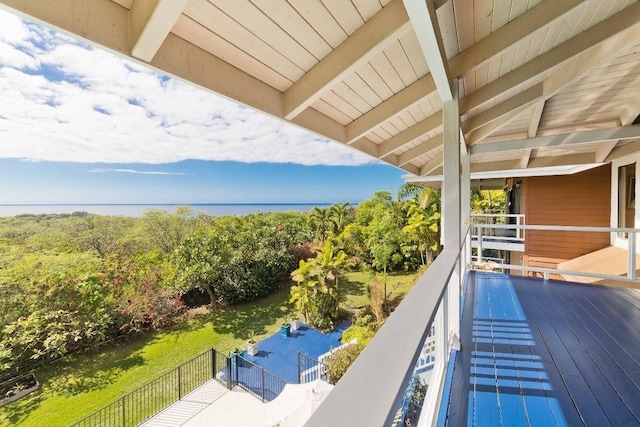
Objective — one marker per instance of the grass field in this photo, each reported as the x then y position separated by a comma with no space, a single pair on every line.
73,388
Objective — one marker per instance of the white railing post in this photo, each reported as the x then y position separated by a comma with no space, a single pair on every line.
480,232
631,273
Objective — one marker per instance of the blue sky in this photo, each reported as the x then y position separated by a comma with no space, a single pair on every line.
80,125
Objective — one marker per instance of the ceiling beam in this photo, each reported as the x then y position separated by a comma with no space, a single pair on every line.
625,150
495,125
151,22
432,165
621,28
604,150
621,133
540,162
419,150
465,62
107,24
568,160
382,112
598,44
534,121
367,41
411,134
425,24
524,160
506,36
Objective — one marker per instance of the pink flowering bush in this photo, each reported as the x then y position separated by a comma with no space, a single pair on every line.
149,311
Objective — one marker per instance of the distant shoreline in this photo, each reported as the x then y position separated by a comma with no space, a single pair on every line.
138,209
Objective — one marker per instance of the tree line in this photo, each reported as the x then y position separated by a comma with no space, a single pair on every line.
69,282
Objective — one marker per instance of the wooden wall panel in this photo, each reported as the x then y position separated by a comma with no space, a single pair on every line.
582,199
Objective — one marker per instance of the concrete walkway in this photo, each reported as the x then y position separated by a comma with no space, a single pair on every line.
236,408
212,405
191,405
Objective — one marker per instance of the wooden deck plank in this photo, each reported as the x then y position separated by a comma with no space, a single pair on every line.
616,364
539,409
537,352
554,334
597,367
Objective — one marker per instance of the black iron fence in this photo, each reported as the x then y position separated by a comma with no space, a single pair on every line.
310,369
255,379
146,401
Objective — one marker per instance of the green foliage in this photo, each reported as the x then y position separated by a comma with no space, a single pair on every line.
364,334
237,260
317,293
339,362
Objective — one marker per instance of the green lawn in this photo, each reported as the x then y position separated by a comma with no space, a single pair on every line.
73,388
398,284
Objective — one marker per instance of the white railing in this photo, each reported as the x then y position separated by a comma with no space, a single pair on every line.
631,233
510,227
372,390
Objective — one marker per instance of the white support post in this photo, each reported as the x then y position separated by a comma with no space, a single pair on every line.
631,273
452,208
465,191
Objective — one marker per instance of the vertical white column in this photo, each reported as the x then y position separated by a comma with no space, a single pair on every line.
465,196
452,208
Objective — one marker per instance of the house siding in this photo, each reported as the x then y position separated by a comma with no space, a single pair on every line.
582,199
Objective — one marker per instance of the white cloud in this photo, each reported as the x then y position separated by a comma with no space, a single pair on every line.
63,101
133,171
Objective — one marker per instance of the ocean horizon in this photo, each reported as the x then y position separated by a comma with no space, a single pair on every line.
138,209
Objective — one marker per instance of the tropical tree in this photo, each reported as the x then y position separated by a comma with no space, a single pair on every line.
423,227
317,293
339,214
321,222
167,230
200,262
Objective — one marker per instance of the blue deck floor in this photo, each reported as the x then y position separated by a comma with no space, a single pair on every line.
279,354
545,353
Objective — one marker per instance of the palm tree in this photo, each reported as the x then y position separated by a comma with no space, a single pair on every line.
321,222
339,213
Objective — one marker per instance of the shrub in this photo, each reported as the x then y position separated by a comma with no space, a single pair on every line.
150,311
339,362
363,334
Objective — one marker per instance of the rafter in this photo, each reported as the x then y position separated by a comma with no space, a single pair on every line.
534,121
625,150
621,133
506,36
367,41
382,112
615,32
411,134
495,125
151,22
419,150
432,165
425,24
468,60
526,156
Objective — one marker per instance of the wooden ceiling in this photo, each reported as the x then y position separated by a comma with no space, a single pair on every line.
540,83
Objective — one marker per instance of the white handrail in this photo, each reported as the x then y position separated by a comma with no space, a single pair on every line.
631,253
371,391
